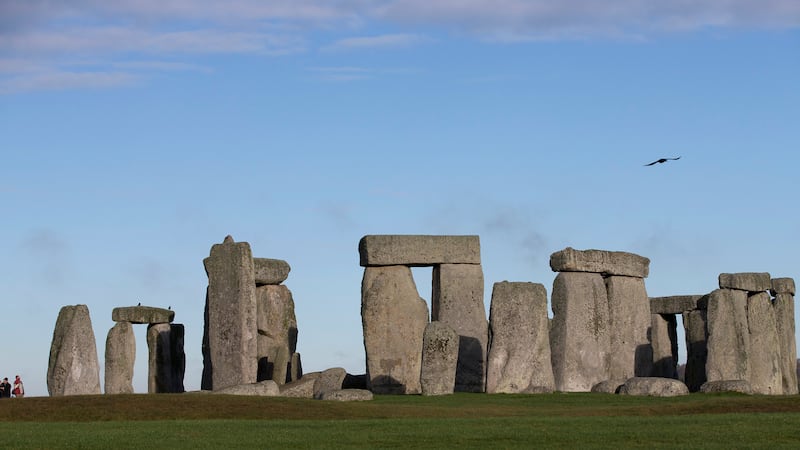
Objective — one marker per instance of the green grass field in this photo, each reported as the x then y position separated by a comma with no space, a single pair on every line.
460,421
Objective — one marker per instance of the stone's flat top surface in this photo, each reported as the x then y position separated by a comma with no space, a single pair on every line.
600,261
142,314
675,304
783,286
418,250
746,281
270,271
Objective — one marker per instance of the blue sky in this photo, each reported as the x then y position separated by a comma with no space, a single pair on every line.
136,134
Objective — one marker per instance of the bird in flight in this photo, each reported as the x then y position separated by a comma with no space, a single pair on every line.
662,160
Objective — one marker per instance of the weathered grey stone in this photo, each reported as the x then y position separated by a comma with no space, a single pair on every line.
746,281
329,380
231,315
277,332
653,387
664,340
785,325
539,389
302,388
519,356
457,300
676,304
418,250
167,360
694,324
295,367
393,317
728,341
608,387
73,368
270,271
782,286
629,320
142,314
439,359
579,335
765,358
266,388
600,261
120,358
741,386
348,395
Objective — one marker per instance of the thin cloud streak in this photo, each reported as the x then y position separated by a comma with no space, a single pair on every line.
66,80
377,42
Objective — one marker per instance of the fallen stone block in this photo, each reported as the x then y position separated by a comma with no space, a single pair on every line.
608,386
266,388
270,271
329,380
302,388
782,286
418,250
746,281
600,261
653,387
740,386
676,304
142,314
348,395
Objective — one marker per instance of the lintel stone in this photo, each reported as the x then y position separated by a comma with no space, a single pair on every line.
418,250
746,281
600,261
676,304
142,314
270,271
782,286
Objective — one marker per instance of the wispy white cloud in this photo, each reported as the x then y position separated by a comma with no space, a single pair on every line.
61,80
341,73
379,42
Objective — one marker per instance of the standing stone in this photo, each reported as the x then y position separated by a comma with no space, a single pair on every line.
728,336
519,354
664,339
694,324
295,368
277,332
631,354
393,318
73,368
166,358
579,336
785,325
120,358
439,359
458,302
232,346
765,359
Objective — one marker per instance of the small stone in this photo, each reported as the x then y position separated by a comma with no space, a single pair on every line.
653,387
348,395
302,388
329,380
608,386
439,358
267,388
741,386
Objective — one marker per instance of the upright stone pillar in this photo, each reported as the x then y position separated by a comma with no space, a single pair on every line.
631,354
277,332
519,353
694,323
664,340
393,318
439,359
231,327
783,289
73,368
579,336
458,302
167,360
120,358
765,361
728,336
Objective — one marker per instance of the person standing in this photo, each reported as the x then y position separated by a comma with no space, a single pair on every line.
5,388
19,389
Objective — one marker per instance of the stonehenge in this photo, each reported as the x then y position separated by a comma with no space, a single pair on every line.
604,333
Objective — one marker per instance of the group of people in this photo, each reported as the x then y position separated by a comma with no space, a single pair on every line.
6,389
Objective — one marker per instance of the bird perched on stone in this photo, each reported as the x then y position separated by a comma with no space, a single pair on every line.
662,160
140,304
